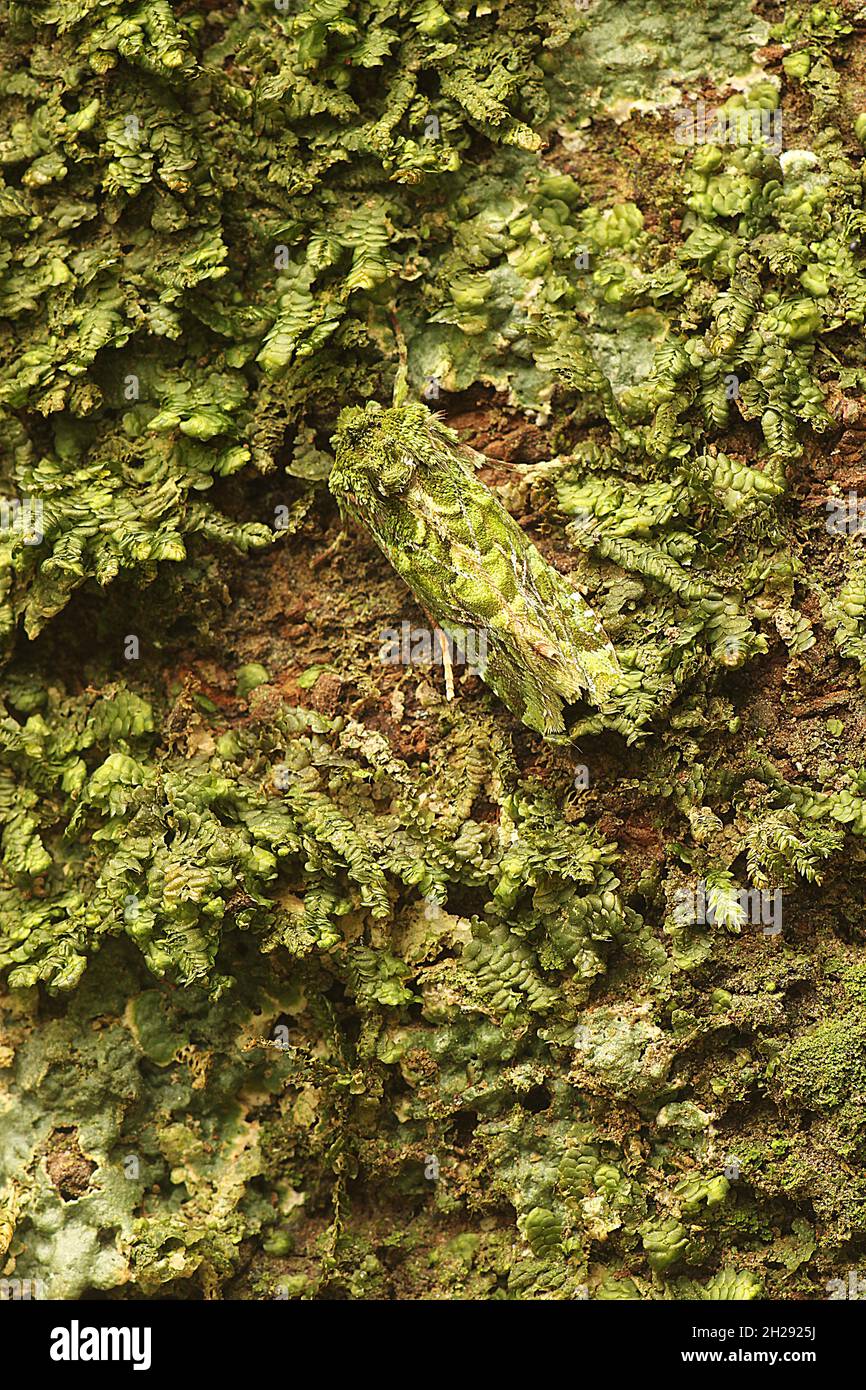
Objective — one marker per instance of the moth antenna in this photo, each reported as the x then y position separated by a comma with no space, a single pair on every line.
401,380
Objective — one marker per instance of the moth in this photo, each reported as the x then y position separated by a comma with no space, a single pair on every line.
404,474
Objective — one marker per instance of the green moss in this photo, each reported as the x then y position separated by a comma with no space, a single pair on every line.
827,1065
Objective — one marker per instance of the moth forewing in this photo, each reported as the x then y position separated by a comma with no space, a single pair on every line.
406,476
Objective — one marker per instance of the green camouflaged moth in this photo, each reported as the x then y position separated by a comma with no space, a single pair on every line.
404,474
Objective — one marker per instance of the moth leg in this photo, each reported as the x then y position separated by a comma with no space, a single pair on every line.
340,540
446,662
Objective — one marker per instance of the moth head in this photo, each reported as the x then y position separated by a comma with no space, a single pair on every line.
377,450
